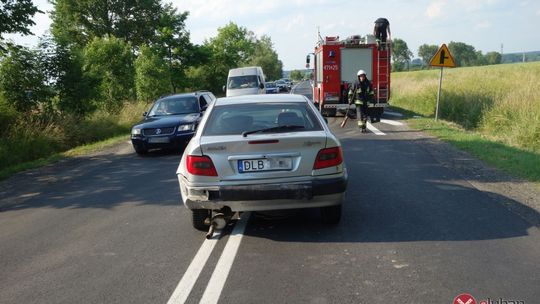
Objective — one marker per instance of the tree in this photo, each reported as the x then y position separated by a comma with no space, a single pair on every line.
401,54
108,62
152,75
265,57
16,17
493,58
297,75
231,48
80,21
480,58
464,54
64,72
426,52
174,46
22,79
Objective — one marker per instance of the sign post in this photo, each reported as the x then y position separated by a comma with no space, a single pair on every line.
442,59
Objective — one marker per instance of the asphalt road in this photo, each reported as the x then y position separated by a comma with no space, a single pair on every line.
109,228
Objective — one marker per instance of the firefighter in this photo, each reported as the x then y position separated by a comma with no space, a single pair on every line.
361,93
381,31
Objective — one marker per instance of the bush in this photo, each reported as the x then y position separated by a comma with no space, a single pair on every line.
41,135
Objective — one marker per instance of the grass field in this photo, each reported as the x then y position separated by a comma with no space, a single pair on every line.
34,141
491,111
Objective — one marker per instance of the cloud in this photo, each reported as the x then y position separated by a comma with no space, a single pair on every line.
435,9
237,8
297,21
538,12
483,24
476,5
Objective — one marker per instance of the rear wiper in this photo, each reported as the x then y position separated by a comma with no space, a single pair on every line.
280,128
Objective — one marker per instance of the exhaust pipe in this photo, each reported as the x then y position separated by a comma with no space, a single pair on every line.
218,221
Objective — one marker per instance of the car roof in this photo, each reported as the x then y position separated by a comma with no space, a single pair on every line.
197,93
246,99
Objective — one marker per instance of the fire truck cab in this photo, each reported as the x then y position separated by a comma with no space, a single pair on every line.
336,64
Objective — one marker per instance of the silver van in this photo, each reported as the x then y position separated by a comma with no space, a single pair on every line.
245,81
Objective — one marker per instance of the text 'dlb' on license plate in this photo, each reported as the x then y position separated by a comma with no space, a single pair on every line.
270,164
158,140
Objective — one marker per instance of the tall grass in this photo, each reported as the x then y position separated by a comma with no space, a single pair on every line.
502,102
31,137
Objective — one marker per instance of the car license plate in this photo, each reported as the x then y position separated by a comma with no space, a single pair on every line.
264,164
158,140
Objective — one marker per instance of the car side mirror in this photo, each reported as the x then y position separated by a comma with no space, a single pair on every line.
145,114
203,108
224,89
261,86
325,120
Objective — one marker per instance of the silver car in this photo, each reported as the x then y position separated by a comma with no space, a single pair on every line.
262,152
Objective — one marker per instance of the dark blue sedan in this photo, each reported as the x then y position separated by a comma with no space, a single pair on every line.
171,122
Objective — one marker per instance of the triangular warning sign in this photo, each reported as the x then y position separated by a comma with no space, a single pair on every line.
443,58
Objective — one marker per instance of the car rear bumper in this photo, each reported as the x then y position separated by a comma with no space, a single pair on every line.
260,197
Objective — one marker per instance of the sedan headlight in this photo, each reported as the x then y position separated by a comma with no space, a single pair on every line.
135,131
188,127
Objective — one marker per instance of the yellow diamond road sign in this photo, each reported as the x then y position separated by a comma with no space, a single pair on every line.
443,58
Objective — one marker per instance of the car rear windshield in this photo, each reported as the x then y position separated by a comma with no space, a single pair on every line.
174,106
238,119
242,82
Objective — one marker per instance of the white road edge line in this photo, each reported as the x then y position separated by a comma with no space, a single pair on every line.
224,265
191,275
373,129
392,122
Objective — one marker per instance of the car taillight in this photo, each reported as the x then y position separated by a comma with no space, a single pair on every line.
328,157
201,165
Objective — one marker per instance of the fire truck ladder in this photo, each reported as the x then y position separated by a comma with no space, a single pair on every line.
383,74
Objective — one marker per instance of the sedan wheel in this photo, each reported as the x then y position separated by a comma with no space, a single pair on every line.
198,217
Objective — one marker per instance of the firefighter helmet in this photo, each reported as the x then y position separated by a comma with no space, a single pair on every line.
360,72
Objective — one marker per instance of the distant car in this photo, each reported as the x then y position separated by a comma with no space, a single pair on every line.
288,82
245,81
282,85
262,152
271,87
171,121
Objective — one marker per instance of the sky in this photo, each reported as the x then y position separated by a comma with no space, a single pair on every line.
292,24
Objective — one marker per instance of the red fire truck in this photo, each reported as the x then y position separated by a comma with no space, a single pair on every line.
336,64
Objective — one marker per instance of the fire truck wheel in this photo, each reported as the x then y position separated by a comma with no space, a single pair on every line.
329,112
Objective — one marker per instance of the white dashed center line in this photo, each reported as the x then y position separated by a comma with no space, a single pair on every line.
373,129
221,272
187,282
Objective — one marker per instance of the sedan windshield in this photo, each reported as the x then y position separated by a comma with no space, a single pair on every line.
266,118
174,106
243,82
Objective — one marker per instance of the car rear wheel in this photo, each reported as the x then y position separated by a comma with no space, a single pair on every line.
331,215
198,217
